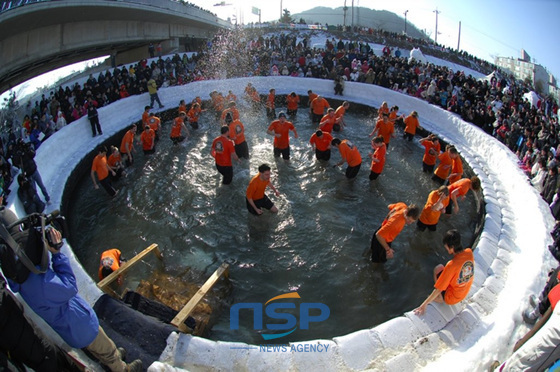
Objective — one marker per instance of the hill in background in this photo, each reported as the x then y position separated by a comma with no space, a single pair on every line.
376,19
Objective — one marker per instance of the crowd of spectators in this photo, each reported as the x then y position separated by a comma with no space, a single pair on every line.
495,104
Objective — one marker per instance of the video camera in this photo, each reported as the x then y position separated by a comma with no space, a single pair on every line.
24,242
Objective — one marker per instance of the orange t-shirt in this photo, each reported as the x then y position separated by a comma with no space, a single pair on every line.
194,114
270,100
340,111
322,143
114,159
112,257
222,148
430,159
231,97
177,126
379,153
154,123
456,167
383,110
147,138
312,96
255,190
318,105
145,116
393,224
442,171
283,141
182,108
350,153
462,186
428,215
234,114
385,130
292,102
127,139
327,123
457,277
237,132
411,124
99,166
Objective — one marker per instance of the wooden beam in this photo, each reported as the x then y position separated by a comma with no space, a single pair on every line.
103,284
179,320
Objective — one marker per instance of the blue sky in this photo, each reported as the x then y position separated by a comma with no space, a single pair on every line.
488,28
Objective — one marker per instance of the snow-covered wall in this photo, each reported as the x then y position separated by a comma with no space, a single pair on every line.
509,257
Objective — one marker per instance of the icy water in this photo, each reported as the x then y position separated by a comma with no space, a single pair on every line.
314,244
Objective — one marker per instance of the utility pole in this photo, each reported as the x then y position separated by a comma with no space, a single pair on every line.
352,15
437,12
280,9
406,11
345,9
459,38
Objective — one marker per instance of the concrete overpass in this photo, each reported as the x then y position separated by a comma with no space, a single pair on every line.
40,36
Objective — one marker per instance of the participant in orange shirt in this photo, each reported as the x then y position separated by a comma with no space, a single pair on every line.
318,106
328,121
148,140
280,129
115,163
182,106
384,128
145,116
231,109
456,166
452,282
255,197
321,143
292,102
377,157
155,124
339,114
270,104
350,155
194,114
100,167
435,205
127,145
432,149
399,215
178,128
237,134
231,97
310,97
383,109
444,167
222,151
411,125
111,260
460,189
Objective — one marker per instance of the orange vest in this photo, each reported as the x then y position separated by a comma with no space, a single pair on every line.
112,258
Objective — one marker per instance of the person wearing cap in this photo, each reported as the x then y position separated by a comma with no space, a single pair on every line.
384,128
222,151
127,145
178,128
255,197
102,169
432,148
350,154
237,134
280,129
452,281
321,143
411,125
148,140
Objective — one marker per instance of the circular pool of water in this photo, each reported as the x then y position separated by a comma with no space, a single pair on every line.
313,246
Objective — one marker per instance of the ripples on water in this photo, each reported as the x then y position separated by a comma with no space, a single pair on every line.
313,246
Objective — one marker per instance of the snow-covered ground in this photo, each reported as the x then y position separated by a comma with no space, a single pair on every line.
511,256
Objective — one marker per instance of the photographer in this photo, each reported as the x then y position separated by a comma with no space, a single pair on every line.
28,196
23,158
53,295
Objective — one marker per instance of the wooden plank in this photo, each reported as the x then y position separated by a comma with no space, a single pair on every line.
103,284
180,318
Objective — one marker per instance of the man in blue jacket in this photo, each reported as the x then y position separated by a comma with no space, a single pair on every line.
54,296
